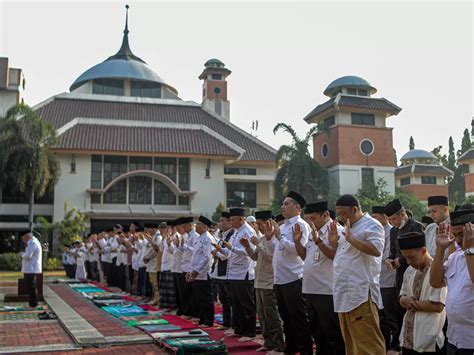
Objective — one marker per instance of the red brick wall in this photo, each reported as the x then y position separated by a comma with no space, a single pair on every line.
211,84
469,182
344,142
422,192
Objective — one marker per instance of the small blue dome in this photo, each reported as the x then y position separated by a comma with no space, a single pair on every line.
120,69
214,62
418,154
348,81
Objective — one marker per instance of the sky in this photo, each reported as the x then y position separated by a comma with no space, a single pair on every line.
282,55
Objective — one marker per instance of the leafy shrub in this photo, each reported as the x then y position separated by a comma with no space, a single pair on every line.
53,264
10,262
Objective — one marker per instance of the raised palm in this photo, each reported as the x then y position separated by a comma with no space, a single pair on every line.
444,237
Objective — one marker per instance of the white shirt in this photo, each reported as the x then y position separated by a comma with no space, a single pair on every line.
167,258
387,277
356,274
202,258
31,257
239,264
187,249
138,244
317,271
105,253
177,254
94,254
428,327
287,264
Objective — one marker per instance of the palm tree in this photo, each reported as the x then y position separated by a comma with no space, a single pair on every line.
297,170
26,160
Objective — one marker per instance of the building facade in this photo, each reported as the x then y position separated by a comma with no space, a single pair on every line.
422,175
353,141
131,149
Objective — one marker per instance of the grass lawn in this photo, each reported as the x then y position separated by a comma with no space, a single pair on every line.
15,275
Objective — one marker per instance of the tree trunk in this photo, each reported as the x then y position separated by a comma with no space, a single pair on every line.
30,209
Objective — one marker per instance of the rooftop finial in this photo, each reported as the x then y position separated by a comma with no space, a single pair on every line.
126,20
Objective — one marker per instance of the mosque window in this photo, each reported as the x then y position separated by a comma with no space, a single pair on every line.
163,195
362,92
166,166
231,170
366,119
367,177
184,183
428,180
328,122
241,194
405,181
366,147
145,89
108,87
352,91
115,166
139,190
325,150
96,177
216,76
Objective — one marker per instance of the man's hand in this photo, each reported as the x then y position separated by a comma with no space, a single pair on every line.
333,234
269,230
444,237
468,236
409,303
255,241
245,242
348,233
396,263
214,253
276,230
191,276
297,233
389,264
314,233
227,245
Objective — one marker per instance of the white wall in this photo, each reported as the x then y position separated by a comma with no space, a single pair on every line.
71,186
7,100
347,179
210,191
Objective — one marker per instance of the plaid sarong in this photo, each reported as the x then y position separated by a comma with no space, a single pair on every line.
167,290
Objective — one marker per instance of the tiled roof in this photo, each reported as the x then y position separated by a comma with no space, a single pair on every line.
403,170
65,107
467,155
422,169
431,169
320,108
143,139
356,101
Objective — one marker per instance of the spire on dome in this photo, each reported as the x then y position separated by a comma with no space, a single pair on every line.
125,52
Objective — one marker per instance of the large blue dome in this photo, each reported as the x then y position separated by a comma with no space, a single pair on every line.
418,154
120,69
122,65
348,81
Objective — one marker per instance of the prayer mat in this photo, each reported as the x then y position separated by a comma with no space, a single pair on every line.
103,303
81,285
158,328
189,334
136,318
89,290
135,323
219,319
17,316
102,296
176,320
128,310
200,345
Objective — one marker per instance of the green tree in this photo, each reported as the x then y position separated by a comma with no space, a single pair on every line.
26,160
69,229
466,141
297,170
451,155
411,145
373,194
217,213
442,158
410,202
